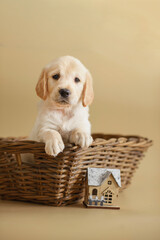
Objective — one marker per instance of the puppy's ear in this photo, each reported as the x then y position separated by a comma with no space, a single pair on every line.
41,87
88,94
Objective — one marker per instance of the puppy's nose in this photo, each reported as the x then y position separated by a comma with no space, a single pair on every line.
64,92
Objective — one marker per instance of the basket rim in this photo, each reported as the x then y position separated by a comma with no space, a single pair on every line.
99,139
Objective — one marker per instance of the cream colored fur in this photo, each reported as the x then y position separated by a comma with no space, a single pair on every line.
60,122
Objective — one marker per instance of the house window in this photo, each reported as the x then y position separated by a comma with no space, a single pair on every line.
109,182
94,191
108,197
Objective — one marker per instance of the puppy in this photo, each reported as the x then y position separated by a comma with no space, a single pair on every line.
65,88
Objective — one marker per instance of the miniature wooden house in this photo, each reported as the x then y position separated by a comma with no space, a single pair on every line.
102,187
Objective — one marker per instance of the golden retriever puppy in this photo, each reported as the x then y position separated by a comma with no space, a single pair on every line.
65,87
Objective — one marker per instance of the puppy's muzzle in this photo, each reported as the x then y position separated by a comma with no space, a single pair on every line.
64,92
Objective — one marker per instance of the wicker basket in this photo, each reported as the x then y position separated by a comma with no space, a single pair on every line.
60,181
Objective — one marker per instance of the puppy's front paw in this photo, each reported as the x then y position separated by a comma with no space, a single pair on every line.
80,138
54,145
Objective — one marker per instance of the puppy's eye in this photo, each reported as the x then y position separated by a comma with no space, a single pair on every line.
77,80
56,76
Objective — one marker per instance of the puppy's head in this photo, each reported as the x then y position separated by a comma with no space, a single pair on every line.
65,82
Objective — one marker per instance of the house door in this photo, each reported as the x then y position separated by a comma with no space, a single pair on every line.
108,197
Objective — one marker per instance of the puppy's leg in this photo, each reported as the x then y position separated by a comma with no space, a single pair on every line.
81,138
27,157
53,142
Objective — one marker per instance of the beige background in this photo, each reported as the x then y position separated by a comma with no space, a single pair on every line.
119,41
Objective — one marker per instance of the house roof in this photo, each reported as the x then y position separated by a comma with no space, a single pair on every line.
97,175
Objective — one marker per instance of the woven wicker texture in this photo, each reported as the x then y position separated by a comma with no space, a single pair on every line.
60,181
